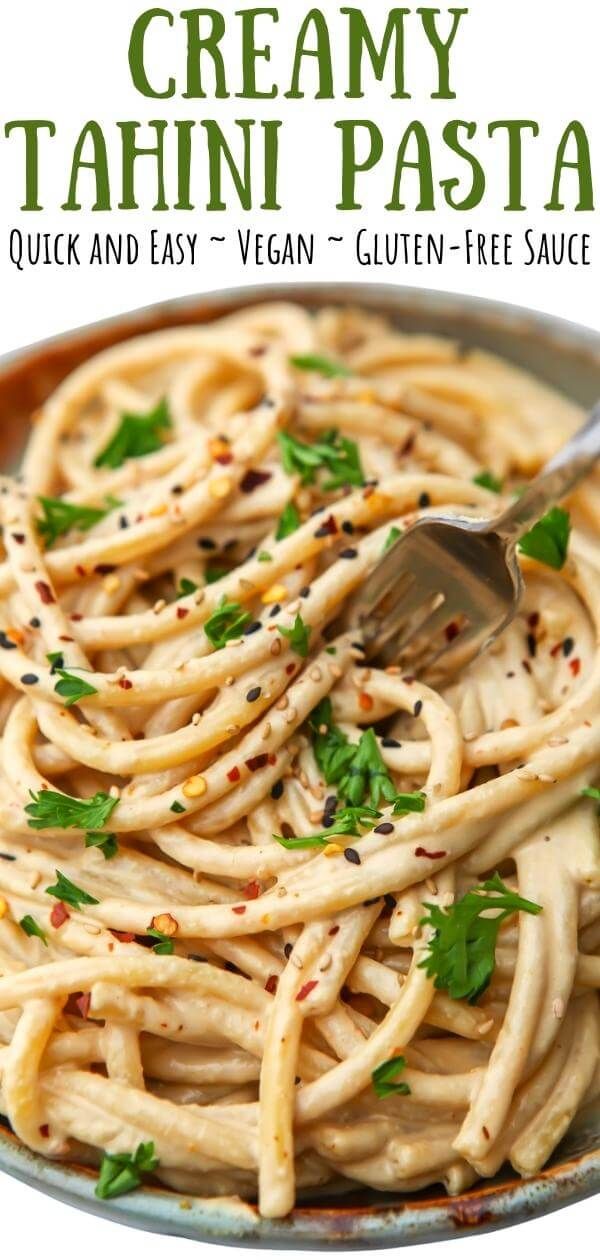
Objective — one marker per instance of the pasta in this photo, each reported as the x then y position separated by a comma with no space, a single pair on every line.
273,919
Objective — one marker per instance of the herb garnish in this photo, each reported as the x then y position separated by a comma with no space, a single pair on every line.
410,803
384,1077
339,455
392,537
288,523
65,891
592,792
488,481
120,1173
319,363
461,955
164,944
104,840
31,928
345,822
227,622
548,540
60,517
297,635
55,809
137,435
186,587
70,686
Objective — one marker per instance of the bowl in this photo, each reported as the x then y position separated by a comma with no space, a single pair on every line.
567,357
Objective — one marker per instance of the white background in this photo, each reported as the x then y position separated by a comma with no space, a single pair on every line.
68,61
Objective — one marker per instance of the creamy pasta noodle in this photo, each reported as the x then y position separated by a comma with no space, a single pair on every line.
274,918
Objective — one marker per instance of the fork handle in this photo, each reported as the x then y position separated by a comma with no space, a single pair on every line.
568,466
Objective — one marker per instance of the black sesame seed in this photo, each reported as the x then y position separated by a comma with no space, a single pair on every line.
352,856
424,499
390,901
277,790
305,592
7,857
6,643
35,623
360,647
253,694
267,402
531,644
348,527
287,949
177,489
568,645
330,805
123,522
349,553
384,829
276,609
29,680
510,673
389,742
418,707
207,544
252,627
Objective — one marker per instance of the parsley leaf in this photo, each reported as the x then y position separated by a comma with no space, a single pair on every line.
410,803
136,435
120,1173
319,363
264,557
367,774
214,573
31,928
164,944
333,750
186,587
488,481
59,517
392,537
339,455
70,687
297,635
592,792
346,822
288,523
462,950
55,809
383,1077
548,540
104,840
65,891
227,622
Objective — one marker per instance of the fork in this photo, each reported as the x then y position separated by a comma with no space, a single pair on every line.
450,585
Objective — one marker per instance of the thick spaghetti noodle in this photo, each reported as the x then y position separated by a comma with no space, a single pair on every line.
220,827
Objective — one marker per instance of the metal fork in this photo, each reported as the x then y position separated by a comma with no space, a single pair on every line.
450,585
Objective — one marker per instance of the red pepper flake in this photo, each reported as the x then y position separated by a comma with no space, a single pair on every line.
533,620
181,613
104,569
252,890
254,478
239,909
76,617
257,763
59,914
306,989
45,1130
334,930
407,447
365,700
125,937
233,775
66,638
526,666
125,683
289,669
271,985
225,457
83,1003
327,527
486,1132
437,853
80,571
556,649
45,593
451,631
575,666
272,759
19,538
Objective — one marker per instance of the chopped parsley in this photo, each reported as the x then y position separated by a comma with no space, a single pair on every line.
384,1077
227,622
106,841
338,455
297,635
164,944
137,435
120,1173
392,537
65,891
55,809
462,950
548,539
288,522
319,363
60,517
488,481
346,822
177,808
592,792
214,573
264,557
31,928
410,803
186,587
70,687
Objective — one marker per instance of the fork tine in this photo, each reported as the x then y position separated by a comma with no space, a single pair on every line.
394,618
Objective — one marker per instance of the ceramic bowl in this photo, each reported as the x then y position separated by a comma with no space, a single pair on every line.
567,357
